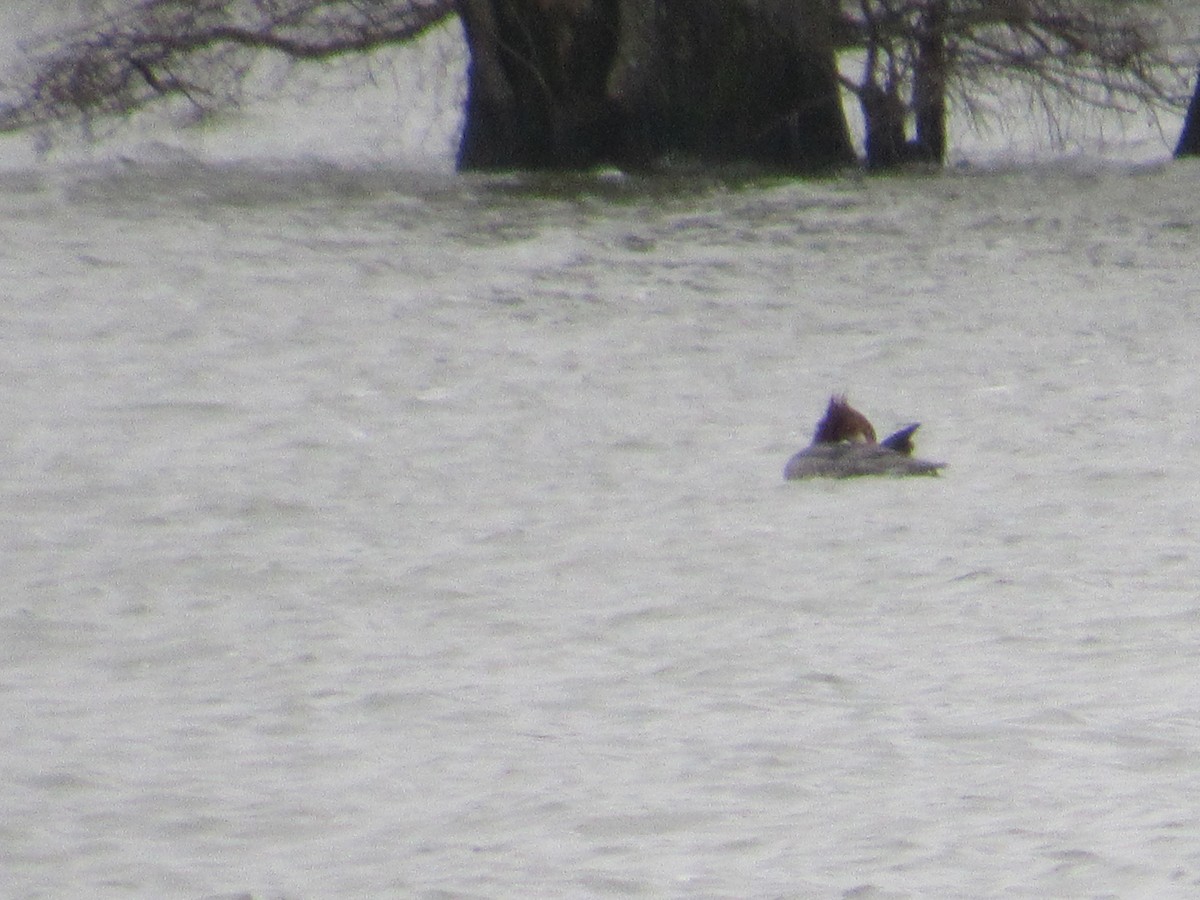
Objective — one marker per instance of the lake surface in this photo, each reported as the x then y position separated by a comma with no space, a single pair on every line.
369,533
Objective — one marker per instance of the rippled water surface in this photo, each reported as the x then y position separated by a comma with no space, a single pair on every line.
372,534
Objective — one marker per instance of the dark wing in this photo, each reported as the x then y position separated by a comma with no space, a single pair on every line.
901,441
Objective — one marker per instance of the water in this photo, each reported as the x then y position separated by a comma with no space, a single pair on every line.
370,533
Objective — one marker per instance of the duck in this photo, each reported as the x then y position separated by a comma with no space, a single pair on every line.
844,445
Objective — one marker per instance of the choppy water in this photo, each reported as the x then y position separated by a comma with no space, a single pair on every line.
369,534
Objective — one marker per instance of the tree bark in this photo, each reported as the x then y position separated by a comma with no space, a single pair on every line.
1189,138
929,84
883,114
579,83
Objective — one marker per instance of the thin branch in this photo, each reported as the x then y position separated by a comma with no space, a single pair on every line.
190,48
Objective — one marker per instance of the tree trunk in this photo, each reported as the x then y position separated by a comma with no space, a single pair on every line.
883,118
929,84
579,83
1189,138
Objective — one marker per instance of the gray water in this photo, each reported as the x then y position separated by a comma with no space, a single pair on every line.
370,534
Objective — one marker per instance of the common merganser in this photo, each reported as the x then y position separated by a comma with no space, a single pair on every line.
844,446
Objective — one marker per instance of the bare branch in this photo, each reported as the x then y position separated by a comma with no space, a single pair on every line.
1111,54
199,50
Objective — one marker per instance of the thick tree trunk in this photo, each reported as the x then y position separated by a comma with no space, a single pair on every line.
579,83
1189,138
535,84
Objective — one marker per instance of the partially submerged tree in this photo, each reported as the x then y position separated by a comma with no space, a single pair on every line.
1189,137
575,83
552,83
919,54
568,83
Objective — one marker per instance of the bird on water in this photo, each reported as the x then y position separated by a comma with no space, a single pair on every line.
844,446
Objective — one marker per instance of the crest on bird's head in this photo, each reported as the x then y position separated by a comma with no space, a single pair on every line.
842,422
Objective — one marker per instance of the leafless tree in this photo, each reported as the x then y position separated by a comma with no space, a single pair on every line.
551,83
196,50
550,76
920,54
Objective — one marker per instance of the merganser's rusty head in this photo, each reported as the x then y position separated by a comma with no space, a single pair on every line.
842,422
